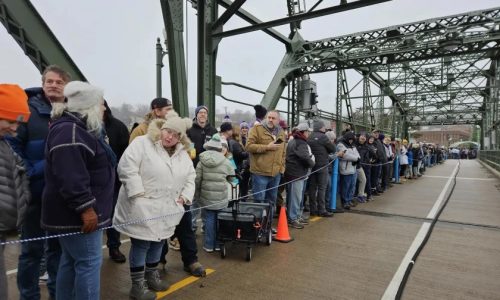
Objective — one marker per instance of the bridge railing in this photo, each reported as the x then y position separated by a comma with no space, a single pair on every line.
491,158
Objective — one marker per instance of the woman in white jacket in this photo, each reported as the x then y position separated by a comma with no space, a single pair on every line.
158,178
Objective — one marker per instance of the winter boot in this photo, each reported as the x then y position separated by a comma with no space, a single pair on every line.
139,290
153,279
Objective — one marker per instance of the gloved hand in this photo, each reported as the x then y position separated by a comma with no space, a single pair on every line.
89,219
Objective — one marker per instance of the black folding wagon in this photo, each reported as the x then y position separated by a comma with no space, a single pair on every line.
246,223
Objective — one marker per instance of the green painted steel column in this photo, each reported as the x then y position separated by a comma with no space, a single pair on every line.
338,110
173,19
207,56
366,100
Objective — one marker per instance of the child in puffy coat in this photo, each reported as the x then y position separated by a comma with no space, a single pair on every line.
212,180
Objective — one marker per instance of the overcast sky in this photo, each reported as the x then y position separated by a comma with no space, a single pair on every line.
113,43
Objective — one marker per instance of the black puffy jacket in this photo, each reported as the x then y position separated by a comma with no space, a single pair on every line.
321,146
199,136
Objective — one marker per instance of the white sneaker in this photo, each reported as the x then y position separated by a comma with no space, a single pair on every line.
44,278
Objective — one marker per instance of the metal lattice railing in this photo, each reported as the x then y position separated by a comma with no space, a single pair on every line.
491,158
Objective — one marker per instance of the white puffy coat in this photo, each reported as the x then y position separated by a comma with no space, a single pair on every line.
152,181
403,158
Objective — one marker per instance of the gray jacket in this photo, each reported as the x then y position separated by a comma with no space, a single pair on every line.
212,186
347,162
14,188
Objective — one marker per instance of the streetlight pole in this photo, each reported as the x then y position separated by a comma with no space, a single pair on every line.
159,65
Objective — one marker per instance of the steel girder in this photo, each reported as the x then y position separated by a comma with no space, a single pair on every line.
207,55
173,19
254,21
34,36
448,36
300,17
491,113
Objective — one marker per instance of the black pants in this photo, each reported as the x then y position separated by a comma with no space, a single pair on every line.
368,186
187,240
244,183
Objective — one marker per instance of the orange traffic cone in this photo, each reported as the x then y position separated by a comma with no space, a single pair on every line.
283,235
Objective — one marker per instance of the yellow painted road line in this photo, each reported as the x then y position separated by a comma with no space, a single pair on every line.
179,285
314,219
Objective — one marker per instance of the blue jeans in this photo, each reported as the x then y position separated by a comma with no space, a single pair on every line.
294,196
348,187
79,272
28,269
3,276
144,252
210,231
261,183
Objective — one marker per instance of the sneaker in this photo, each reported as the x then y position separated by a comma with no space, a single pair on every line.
326,214
296,224
274,231
43,278
174,244
303,221
208,250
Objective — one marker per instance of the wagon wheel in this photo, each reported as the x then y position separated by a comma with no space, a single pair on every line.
269,237
249,254
223,251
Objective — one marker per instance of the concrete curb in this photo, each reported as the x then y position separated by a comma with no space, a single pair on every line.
492,170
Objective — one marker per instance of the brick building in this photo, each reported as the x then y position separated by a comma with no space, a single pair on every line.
443,135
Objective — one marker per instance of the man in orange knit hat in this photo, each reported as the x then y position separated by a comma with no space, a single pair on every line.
13,180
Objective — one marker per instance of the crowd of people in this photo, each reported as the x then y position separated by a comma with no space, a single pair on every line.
70,166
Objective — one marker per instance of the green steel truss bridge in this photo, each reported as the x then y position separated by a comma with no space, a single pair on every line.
440,71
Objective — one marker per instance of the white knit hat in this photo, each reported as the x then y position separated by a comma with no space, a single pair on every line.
178,124
82,95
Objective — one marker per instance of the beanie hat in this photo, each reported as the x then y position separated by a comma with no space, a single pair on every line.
260,111
81,95
160,102
214,143
318,125
244,125
303,127
283,124
197,110
349,136
13,103
226,127
178,124
227,119
331,135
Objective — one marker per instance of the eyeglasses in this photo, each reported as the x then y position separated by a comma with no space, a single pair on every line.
172,133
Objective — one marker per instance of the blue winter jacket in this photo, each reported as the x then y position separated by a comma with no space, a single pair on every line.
30,141
79,174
